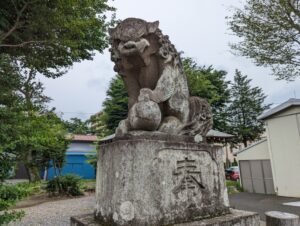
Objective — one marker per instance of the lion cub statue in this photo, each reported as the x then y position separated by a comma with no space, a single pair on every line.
157,87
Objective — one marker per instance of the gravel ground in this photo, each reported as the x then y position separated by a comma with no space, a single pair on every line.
56,213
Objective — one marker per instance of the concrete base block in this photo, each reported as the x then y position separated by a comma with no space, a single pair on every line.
234,218
151,181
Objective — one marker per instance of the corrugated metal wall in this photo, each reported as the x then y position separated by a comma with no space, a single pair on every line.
256,176
75,164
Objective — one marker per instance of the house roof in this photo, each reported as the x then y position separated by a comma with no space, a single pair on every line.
216,133
251,146
291,102
107,138
79,137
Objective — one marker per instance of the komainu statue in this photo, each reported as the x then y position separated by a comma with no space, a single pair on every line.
157,87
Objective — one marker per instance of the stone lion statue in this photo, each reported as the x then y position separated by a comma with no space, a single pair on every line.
157,87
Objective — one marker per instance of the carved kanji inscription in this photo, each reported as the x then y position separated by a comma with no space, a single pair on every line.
188,176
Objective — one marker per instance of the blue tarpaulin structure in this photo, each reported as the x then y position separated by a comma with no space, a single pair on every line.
76,158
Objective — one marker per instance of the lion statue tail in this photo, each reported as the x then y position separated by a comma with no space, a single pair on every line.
200,118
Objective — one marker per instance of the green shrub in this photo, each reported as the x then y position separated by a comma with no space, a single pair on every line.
8,216
12,192
31,188
9,195
89,185
65,185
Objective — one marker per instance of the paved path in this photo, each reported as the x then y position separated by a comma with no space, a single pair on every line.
262,203
56,213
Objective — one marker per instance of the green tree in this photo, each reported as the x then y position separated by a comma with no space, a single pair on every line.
208,83
92,158
9,118
98,126
270,35
32,133
42,141
10,113
247,103
203,81
115,107
49,36
77,126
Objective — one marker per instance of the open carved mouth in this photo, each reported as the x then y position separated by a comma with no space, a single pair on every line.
132,48
129,48
129,45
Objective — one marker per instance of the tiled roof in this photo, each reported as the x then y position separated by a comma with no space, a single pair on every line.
78,137
216,133
281,107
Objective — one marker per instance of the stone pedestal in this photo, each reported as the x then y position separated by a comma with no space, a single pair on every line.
277,218
234,218
145,180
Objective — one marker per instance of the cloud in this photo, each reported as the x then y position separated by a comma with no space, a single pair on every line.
196,27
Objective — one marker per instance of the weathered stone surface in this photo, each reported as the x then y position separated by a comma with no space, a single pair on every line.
156,182
145,115
154,172
234,218
152,71
277,218
156,135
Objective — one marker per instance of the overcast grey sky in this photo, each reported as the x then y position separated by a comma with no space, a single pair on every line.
196,27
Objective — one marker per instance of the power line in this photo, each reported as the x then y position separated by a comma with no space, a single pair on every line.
78,112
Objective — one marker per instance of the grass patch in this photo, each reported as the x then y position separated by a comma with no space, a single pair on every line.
89,185
233,187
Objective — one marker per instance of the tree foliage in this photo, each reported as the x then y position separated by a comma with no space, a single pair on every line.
32,133
77,126
247,103
49,36
211,84
203,81
42,141
46,37
98,124
115,107
270,34
10,114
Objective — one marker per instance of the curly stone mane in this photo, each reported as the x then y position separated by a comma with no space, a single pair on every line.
167,50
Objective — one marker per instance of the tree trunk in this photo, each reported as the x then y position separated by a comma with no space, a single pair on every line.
227,159
32,171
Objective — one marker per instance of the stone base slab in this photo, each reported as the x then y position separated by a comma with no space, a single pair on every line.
235,218
159,181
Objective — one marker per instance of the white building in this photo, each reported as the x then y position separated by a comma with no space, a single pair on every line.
272,165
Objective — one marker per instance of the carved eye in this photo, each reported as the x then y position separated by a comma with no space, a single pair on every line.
163,52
